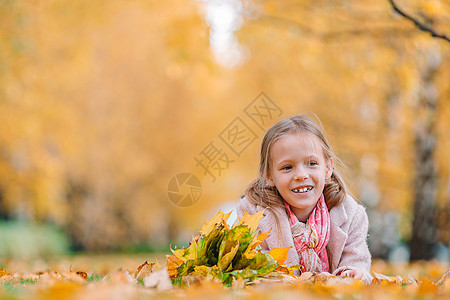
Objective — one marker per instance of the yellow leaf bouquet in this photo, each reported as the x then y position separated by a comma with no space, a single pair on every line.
226,253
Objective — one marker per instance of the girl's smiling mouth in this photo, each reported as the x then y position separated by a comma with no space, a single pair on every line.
302,189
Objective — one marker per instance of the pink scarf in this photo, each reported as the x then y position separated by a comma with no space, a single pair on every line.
310,239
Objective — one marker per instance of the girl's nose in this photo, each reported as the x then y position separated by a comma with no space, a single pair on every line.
300,174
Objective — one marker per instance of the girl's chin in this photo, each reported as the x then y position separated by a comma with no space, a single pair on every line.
302,203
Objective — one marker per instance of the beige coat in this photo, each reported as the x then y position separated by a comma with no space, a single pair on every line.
347,248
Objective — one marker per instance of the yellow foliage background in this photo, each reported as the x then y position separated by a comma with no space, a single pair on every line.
103,102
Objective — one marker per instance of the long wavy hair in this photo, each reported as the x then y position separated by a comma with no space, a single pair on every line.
260,193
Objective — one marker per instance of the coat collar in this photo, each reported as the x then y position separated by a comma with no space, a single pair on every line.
338,236
338,215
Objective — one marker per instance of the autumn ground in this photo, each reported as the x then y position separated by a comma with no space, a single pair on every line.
114,277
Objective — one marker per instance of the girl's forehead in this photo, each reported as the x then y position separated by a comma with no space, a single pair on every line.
302,143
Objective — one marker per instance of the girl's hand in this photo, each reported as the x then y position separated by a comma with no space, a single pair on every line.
357,274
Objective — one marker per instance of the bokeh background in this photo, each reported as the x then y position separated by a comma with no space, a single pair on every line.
103,102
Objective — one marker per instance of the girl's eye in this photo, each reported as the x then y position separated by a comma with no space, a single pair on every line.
286,168
312,163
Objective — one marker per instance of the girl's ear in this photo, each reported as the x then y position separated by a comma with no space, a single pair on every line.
329,168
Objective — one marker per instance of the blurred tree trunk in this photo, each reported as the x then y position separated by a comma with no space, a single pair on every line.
425,184
3,212
77,192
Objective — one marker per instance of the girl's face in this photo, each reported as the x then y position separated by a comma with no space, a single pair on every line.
298,169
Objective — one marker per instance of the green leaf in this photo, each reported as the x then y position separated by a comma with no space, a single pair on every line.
206,242
190,252
240,233
245,273
189,266
270,265
224,263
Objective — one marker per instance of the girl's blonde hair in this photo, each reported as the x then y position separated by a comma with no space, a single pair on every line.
259,193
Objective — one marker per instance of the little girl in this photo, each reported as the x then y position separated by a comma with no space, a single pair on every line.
305,202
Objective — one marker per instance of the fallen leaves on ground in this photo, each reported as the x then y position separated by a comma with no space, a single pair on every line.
227,262
122,284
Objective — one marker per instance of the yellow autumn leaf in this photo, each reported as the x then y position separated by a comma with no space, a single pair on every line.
172,263
3,272
211,224
224,222
179,254
262,236
280,254
156,266
293,269
252,221
249,253
283,269
200,270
